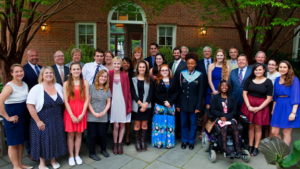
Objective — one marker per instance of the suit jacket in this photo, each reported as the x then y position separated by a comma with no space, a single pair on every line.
30,76
216,107
266,66
229,64
161,93
201,68
149,60
182,66
57,74
237,88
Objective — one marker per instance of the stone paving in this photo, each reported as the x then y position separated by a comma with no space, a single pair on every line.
152,159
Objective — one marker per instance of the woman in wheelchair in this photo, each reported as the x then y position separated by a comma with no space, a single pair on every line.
223,110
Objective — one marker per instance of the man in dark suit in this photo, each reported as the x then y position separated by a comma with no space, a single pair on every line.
237,80
31,74
61,71
176,67
202,66
153,51
260,57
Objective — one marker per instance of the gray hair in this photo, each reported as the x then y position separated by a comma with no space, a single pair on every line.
184,47
261,52
58,51
207,47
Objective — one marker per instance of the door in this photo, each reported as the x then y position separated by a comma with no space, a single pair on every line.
117,44
135,40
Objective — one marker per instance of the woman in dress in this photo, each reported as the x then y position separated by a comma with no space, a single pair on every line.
141,91
121,106
100,99
14,112
286,102
107,61
223,108
163,123
189,102
136,57
159,60
76,95
215,72
47,136
257,94
128,69
272,74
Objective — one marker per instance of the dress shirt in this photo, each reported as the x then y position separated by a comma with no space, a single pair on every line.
205,63
58,68
234,62
33,66
88,71
243,72
153,60
178,61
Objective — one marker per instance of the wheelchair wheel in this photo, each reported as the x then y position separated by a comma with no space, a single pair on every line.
205,142
246,158
212,156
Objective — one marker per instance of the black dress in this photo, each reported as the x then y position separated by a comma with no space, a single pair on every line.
141,116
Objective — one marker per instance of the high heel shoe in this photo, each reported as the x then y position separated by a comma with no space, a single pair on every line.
254,152
250,149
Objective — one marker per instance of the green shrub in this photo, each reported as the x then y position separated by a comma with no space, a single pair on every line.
199,50
167,51
87,53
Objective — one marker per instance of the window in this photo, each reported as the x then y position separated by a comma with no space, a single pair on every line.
117,40
296,44
86,33
129,12
166,35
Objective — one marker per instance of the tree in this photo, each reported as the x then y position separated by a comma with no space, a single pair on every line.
268,19
20,20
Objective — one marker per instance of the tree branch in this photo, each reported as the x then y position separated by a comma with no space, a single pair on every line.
7,23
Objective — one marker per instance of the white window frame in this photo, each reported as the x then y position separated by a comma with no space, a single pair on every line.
94,24
173,35
296,42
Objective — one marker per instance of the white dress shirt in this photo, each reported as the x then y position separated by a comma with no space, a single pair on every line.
243,72
89,69
58,68
177,63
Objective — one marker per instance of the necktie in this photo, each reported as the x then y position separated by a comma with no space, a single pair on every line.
232,65
207,63
241,76
97,70
37,71
61,74
173,68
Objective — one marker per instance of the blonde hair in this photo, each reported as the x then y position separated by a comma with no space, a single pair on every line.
112,55
117,58
97,84
76,50
134,61
225,71
40,79
15,65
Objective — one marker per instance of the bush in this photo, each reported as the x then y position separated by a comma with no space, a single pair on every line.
87,53
199,50
167,51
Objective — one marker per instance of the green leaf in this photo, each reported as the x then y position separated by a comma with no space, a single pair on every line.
294,157
239,166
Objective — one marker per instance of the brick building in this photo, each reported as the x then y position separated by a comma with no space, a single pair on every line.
176,25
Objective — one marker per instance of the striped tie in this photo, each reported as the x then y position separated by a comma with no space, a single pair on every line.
241,76
96,71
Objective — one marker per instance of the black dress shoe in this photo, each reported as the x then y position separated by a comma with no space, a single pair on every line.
104,152
191,146
183,145
94,157
254,152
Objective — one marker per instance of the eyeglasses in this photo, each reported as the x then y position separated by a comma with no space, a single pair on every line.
164,70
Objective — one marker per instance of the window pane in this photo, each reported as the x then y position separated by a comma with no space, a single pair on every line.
112,43
90,39
120,46
169,31
89,29
114,16
113,29
161,31
81,29
139,17
132,16
82,39
169,41
161,41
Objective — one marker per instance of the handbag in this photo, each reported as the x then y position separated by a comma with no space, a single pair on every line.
210,125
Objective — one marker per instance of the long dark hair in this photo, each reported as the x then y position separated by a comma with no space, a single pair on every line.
289,77
147,75
252,75
155,67
70,84
127,59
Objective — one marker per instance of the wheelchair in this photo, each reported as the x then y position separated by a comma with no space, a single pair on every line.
212,142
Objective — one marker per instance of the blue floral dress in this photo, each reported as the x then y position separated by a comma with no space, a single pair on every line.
163,126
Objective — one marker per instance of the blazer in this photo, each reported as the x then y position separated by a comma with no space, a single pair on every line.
216,107
30,76
189,98
237,88
229,64
182,66
125,89
201,68
149,60
57,74
161,94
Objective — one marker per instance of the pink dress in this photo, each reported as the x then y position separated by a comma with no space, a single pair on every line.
76,107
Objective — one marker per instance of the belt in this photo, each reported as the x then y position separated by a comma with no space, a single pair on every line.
283,96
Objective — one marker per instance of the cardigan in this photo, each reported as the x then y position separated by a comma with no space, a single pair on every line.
161,93
216,108
36,95
147,97
125,89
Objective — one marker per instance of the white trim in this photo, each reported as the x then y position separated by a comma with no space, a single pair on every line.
296,42
94,24
173,34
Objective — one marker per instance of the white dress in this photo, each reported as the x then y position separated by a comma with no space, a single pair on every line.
118,108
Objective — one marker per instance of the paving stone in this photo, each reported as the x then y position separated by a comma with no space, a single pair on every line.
83,166
198,160
112,162
8,166
148,156
135,164
2,162
6,158
28,161
64,161
160,165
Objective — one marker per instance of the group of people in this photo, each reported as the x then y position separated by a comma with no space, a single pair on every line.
43,104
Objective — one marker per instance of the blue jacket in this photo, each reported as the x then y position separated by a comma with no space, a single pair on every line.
30,76
149,60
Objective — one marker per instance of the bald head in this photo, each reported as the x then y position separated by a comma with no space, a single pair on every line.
32,56
59,57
